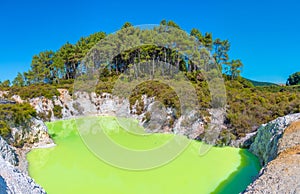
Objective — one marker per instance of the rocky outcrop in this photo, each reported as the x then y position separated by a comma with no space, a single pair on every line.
3,94
34,133
265,145
5,101
244,142
42,105
12,181
277,147
13,163
282,174
8,153
154,117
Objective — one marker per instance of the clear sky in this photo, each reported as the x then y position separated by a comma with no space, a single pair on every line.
264,34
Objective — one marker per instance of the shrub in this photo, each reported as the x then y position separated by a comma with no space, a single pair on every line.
13,115
16,113
34,91
57,111
5,130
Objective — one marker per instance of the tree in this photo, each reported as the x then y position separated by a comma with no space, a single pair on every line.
19,80
220,50
233,68
173,24
66,56
29,77
163,22
294,79
67,62
41,67
5,84
196,33
126,25
207,41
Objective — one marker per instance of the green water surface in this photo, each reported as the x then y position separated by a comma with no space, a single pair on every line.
71,168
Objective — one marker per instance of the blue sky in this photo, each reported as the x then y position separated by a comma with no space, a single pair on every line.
263,34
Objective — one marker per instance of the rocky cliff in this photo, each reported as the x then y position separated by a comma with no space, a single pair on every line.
13,164
268,137
278,146
30,134
272,143
8,153
12,180
152,116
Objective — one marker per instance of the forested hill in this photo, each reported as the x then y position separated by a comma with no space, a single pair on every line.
247,106
53,66
257,83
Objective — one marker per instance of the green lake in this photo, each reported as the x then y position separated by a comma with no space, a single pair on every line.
71,168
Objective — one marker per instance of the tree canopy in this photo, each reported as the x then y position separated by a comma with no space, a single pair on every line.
294,79
55,66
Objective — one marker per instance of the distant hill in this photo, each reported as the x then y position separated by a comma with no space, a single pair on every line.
257,83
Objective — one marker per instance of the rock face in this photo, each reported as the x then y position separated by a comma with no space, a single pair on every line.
8,153
244,142
281,175
265,145
152,116
277,147
13,166
34,133
12,181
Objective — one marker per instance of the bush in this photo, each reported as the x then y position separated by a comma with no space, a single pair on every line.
248,108
34,91
16,113
45,116
5,130
294,79
13,115
57,111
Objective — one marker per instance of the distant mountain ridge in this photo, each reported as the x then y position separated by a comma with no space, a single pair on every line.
259,83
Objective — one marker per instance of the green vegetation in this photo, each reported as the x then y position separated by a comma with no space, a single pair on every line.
34,91
52,67
294,79
57,111
249,107
249,103
257,83
12,115
4,129
16,113
162,92
5,84
49,67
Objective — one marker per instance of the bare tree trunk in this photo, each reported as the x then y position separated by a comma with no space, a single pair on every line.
153,67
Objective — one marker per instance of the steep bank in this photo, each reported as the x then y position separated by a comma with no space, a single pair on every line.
13,164
12,180
269,137
266,145
278,146
152,116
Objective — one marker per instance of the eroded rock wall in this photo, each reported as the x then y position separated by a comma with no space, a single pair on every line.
13,181
281,154
153,116
266,142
